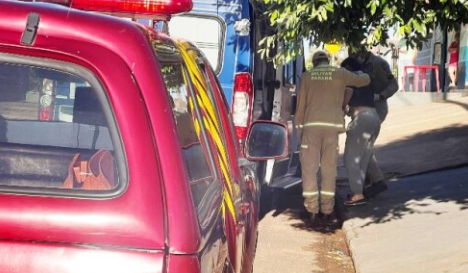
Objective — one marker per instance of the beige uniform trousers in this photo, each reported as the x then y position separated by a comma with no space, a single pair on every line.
319,148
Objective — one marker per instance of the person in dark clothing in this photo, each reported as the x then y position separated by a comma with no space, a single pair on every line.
361,134
385,86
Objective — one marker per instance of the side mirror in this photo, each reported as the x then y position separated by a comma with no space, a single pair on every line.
267,140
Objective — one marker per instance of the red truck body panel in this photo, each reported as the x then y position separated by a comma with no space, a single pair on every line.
150,224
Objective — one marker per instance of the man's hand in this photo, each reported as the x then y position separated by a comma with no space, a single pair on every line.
345,109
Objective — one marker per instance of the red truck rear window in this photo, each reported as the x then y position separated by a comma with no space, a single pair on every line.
53,132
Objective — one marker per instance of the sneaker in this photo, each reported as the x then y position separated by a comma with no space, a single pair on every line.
375,188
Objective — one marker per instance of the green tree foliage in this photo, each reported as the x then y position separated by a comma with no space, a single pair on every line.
354,22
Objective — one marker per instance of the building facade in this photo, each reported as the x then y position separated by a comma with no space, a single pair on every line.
434,52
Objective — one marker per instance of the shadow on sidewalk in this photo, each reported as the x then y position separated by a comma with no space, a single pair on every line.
405,196
290,203
423,152
412,195
463,105
438,149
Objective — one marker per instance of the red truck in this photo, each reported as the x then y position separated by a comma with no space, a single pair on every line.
140,171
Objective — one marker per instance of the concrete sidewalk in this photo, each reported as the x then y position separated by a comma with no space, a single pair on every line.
420,223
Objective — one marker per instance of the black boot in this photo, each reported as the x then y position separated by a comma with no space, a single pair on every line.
331,221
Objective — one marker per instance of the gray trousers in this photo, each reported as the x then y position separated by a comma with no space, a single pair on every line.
319,149
374,173
361,135
382,109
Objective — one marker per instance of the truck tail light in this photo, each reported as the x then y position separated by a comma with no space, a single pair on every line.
242,104
45,114
46,100
131,8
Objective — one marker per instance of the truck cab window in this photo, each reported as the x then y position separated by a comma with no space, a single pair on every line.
194,153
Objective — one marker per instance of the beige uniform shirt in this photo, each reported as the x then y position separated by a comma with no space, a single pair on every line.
321,97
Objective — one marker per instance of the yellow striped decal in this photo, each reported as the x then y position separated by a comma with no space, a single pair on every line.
211,122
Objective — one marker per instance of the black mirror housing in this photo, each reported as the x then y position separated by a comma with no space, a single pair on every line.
267,140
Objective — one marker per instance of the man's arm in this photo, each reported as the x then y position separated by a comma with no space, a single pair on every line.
392,86
355,80
390,90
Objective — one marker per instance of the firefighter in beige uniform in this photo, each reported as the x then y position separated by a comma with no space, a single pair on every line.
319,119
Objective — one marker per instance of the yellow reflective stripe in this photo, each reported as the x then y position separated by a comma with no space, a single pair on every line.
185,79
206,106
310,193
230,205
327,193
216,136
209,105
195,120
315,193
210,121
212,126
222,157
325,124
205,110
227,178
223,165
193,70
304,146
